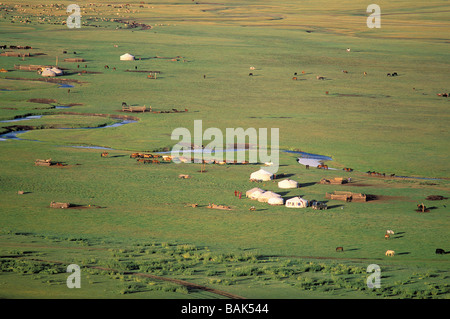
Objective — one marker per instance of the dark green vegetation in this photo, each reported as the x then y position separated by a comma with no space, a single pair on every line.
139,234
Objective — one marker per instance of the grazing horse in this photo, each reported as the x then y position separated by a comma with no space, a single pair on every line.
339,249
320,77
104,154
250,74
388,74
440,251
365,73
390,232
390,253
294,78
386,236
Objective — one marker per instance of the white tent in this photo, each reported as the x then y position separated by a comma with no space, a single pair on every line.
261,175
297,202
126,57
256,194
266,196
251,191
287,183
275,200
48,72
57,71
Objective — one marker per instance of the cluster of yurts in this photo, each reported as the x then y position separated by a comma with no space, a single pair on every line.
51,72
273,198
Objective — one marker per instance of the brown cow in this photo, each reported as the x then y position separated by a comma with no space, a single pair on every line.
339,249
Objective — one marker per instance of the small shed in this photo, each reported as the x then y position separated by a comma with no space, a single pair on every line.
74,60
41,162
59,205
346,196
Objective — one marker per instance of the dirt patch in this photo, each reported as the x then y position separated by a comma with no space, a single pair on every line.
75,206
436,197
385,198
43,101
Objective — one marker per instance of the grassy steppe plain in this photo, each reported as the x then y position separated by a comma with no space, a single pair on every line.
139,222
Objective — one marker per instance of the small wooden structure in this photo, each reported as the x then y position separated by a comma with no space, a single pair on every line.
74,60
223,207
334,181
347,196
59,205
40,162
127,108
31,67
15,54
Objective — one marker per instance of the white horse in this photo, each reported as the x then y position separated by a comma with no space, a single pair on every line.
390,253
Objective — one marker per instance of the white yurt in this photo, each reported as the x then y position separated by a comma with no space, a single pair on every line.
297,202
275,200
127,57
256,194
287,183
48,72
261,175
264,198
251,191
57,71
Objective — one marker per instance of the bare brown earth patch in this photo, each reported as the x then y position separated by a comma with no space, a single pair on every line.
42,100
386,198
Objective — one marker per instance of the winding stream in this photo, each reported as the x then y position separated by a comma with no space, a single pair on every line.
14,134
304,158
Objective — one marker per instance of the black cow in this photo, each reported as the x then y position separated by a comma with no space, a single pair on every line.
440,251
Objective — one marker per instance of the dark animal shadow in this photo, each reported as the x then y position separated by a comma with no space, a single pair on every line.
405,253
307,184
117,156
334,206
352,249
281,176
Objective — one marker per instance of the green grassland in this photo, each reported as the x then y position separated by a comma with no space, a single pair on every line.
134,220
